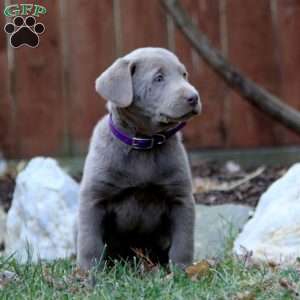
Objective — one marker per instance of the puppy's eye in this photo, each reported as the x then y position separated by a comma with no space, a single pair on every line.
159,78
184,74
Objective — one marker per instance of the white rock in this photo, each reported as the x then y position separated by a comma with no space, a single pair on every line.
44,208
273,234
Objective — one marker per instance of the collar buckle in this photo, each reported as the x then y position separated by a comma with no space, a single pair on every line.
159,138
137,143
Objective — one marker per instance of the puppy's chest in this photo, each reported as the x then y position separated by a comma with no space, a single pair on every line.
146,191
141,209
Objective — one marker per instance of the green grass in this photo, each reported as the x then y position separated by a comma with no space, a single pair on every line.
226,278
229,279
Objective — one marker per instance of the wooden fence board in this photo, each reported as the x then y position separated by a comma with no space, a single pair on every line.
7,136
143,24
251,47
48,104
288,30
207,129
39,91
91,49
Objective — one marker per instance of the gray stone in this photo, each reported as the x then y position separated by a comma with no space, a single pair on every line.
215,225
7,277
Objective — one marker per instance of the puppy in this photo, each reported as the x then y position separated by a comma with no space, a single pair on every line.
136,190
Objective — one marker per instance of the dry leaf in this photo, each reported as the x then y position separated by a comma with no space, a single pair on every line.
147,264
273,265
52,282
202,185
198,270
77,280
139,253
245,296
290,286
79,274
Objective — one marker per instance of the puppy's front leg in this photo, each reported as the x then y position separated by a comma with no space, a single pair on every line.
90,244
182,233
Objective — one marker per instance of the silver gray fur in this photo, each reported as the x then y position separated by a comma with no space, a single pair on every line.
139,198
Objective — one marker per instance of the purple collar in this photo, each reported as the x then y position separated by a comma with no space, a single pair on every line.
144,143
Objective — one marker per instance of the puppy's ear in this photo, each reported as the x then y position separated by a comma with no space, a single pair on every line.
115,83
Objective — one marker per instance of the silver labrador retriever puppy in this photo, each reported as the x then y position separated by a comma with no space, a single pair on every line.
136,190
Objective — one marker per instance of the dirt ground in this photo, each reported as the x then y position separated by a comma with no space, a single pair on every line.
213,183
229,183
7,185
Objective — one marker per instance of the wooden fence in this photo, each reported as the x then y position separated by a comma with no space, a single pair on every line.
47,100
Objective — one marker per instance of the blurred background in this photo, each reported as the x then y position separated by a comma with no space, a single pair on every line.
48,105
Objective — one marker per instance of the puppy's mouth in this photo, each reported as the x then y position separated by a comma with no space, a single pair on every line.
167,119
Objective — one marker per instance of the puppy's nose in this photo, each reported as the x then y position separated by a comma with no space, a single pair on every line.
193,100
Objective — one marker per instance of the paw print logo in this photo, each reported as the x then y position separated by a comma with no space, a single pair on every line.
24,32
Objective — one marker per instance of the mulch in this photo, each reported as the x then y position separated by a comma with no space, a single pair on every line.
7,186
247,193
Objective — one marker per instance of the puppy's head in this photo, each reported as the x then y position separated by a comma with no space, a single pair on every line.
150,88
